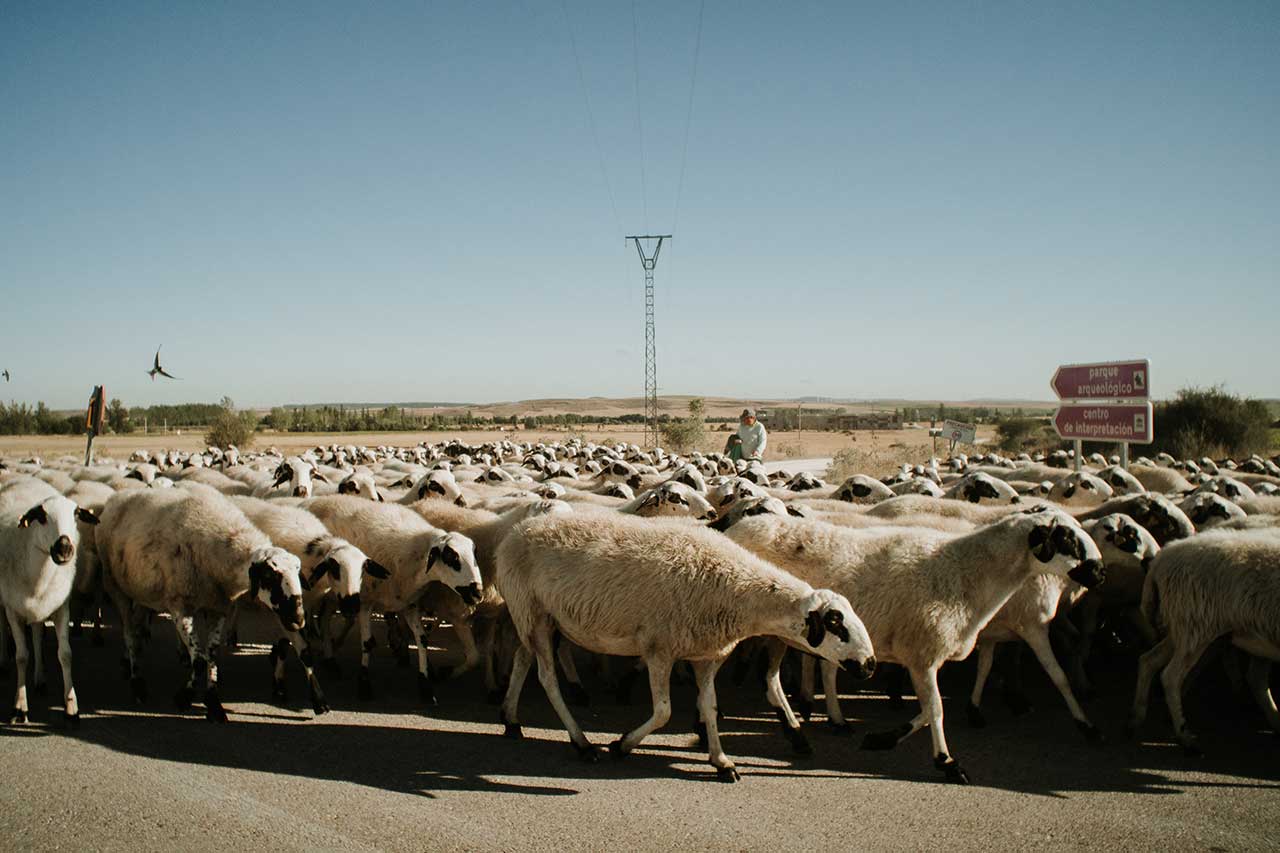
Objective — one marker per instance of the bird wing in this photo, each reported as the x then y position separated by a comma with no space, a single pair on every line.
164,373
158,357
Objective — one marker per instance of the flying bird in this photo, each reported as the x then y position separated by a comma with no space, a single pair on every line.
158,369
5,375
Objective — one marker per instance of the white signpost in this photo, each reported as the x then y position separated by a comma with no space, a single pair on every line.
959,432
1121,411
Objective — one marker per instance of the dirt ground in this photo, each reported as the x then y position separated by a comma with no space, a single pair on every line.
387,775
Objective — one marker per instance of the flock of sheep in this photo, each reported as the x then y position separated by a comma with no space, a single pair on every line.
528,550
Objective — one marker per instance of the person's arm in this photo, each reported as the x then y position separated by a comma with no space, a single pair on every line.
764,440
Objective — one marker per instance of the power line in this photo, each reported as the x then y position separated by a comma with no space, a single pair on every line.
635,41
688,121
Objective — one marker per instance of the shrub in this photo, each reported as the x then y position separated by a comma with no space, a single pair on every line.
231,427
1211,422
685,434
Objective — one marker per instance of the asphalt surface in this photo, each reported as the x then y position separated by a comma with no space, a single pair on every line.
386,775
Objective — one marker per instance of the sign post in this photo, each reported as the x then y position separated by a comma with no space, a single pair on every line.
1123,411
93,419
959,432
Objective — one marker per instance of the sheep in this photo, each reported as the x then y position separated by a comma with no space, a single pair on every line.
92,496
917,486
217,480
1081,489
805,482
979,487
896,507
924,595
486,530
863,490
1155,513
1208,509
60,480
664,592
361,484
1212,585
329,565
1157,479
1229,487
191,551
670,499
437,484
296,475
1121,481
415,553
39,540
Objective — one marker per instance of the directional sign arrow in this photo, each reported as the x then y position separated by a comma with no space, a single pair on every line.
1130,422
1108,380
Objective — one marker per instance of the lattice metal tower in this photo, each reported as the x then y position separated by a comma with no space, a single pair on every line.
650,345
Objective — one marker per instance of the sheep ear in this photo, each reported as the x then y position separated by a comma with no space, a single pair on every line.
833,621
86,516
1041,543
815,629
432,555
378,494
35,515
316,475
461,501
257,574
330,565
376,570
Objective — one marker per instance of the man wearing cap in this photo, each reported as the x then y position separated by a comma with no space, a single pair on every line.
752,434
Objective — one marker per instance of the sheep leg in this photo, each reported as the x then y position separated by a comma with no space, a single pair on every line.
986,657
364,684
213,710
1259,678
62,623
323,632
1040,646
1014,697
704,672
131,631
926,684
489,651
831,695
318,703
1151,662
185,626
804,703
573,689
233,635
279,651
470,651
660,690
39,683
1089,609
520,664
1184,658
775,650
426,686
19,632
540,639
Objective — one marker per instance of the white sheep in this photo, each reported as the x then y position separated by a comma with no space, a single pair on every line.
906,505
191,551
924,595
1160,479
1081,489
361,484
415,553
293,477
670,499
1121,481
1155,513
438,484
661,591
1229,487
980,488
862,489
39,539
1209,509
330,567
1212,585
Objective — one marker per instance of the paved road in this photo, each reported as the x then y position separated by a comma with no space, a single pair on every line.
385,776
795,466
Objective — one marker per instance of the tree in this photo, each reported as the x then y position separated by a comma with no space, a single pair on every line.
231,427
686,433
118,417
1211,422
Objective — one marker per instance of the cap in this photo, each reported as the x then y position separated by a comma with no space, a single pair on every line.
748,413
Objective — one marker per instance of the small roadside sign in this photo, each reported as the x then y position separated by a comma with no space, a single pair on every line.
959,432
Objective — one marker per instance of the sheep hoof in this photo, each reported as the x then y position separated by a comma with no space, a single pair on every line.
587,754
574,694
364,686
97,640
318,704
700,729
615,750
138,685
884,740
976,718
279,694
954,772
71,721
804,708
728,775
1091,733
841,727
213,710
799,743
182,699
18,718
1017,703
41,688
495,696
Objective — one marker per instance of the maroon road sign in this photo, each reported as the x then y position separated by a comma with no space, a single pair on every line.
1130,422
1109,380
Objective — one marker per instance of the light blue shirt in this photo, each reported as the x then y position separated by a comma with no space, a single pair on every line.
754,440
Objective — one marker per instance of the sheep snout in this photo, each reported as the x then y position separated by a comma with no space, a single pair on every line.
62,551
1088,574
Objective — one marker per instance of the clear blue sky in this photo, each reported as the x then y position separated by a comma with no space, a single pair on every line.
402,201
